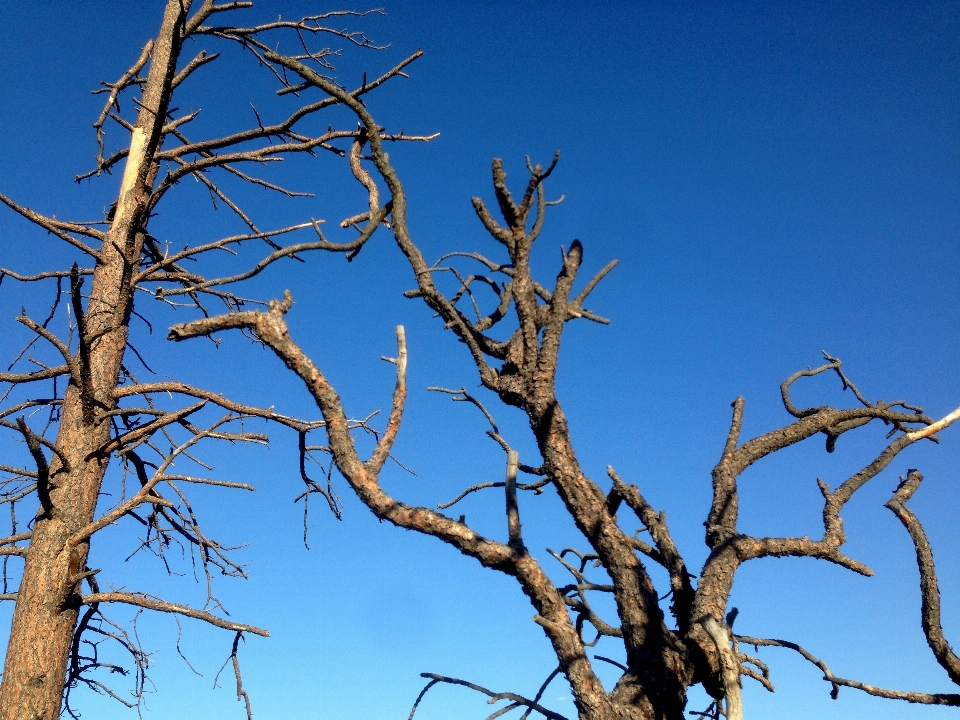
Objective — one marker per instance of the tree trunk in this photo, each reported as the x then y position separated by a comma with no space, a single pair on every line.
45,616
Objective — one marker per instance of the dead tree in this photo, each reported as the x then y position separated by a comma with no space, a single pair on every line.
666,652
99,416
95,416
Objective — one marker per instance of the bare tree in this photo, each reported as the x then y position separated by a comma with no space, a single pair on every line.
665,655
101,416
96,415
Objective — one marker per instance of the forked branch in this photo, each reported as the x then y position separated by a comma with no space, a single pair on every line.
516,701
836,682
150,603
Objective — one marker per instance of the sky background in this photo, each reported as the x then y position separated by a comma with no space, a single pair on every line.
776,179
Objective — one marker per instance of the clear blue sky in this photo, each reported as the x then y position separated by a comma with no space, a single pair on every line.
775,178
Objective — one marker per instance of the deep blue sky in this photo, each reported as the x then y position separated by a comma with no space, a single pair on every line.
775,178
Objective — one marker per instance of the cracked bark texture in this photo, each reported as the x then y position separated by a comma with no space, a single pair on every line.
664,652
105,417
664,657
661,662
47,606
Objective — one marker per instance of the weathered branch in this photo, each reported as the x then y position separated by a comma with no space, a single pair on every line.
46,374
289,251
61,346
729,666
517,700
127,79
57,227
150,603
43,468
656,524
270,327
145,494
929,588
385,444
146,430
151,272
952,700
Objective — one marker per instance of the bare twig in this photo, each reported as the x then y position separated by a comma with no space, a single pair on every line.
838,682
518,700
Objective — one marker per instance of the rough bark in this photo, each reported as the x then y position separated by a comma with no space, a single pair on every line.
48,599
661,662
664,653
106,415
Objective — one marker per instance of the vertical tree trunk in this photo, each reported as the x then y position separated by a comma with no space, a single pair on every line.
45,616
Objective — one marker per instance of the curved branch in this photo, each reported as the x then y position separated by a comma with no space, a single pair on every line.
289,251
57,227
363,177
518,700
929,588
150,603
198,61
190,252
61,346
46,374
4,272
217,399
146,430
127,79
385,444
912,697
729,666
426,288
669,555
271,328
